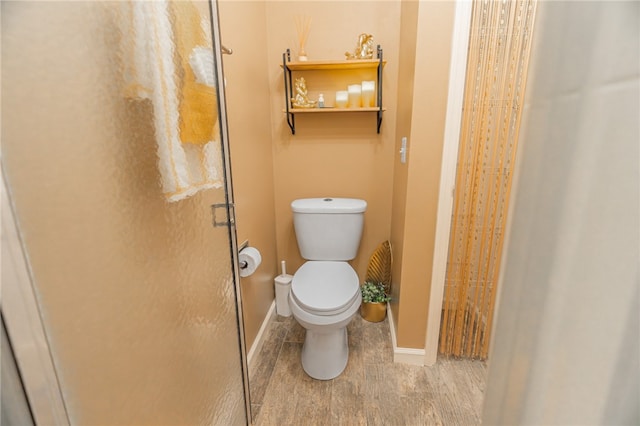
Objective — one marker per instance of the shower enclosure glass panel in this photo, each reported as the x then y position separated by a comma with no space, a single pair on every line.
103,104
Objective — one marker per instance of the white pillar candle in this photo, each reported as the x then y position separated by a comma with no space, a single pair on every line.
368,94
342,97
355,96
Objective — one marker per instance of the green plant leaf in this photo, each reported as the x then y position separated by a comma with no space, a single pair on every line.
374,292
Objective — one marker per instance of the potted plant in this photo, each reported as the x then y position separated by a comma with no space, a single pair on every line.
374,301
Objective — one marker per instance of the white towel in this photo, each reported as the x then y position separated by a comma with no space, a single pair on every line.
150,73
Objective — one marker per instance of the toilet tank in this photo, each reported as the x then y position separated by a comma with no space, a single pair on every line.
328,228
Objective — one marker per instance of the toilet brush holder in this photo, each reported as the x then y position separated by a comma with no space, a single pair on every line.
283,287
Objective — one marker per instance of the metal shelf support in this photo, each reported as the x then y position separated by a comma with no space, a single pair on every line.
288,91
379,49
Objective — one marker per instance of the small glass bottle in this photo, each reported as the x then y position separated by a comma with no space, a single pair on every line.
320,100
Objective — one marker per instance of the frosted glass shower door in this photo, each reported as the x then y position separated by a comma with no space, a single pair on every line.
103,104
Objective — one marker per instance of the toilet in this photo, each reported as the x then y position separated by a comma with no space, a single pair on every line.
325,290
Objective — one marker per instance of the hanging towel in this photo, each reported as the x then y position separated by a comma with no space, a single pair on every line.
197,100
156,66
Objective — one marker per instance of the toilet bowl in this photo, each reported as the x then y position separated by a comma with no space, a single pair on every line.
324,297
325,291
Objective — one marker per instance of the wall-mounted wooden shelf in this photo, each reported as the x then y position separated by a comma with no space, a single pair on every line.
290,67
332,109
333,65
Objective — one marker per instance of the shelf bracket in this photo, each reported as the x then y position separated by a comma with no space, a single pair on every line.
288,91
380,65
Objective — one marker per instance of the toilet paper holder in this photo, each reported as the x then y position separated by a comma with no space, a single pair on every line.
249,259
243,245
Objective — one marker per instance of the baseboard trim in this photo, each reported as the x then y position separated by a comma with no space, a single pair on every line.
403,355
259,340
400,355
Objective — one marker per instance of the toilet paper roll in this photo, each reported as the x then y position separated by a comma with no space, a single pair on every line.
249,259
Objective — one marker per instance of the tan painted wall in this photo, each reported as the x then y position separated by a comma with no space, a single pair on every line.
336,155
247,93
414,259
406,73
340,155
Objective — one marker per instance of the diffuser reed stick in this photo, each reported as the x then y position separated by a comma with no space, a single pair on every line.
303,26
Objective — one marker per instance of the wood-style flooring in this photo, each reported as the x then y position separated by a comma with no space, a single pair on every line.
372,390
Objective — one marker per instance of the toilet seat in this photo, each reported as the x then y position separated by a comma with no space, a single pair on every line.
325,288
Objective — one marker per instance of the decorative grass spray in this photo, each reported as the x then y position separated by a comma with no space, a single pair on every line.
303,27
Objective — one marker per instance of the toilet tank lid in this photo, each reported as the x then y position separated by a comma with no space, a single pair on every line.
329,205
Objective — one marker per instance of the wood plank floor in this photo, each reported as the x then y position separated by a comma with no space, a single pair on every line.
373,390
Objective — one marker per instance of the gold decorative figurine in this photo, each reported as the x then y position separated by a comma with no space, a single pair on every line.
301,99
364,49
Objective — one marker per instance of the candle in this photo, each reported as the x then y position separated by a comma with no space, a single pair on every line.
342,98
355,96
368,94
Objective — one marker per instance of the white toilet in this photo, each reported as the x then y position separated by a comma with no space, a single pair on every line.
325,291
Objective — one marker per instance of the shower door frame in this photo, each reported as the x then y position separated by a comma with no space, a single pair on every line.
229,198
24,324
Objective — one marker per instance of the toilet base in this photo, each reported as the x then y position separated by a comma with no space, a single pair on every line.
325,353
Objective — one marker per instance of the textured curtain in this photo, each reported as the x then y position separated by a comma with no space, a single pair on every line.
499,46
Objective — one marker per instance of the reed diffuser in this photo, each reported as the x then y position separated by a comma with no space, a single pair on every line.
303,26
